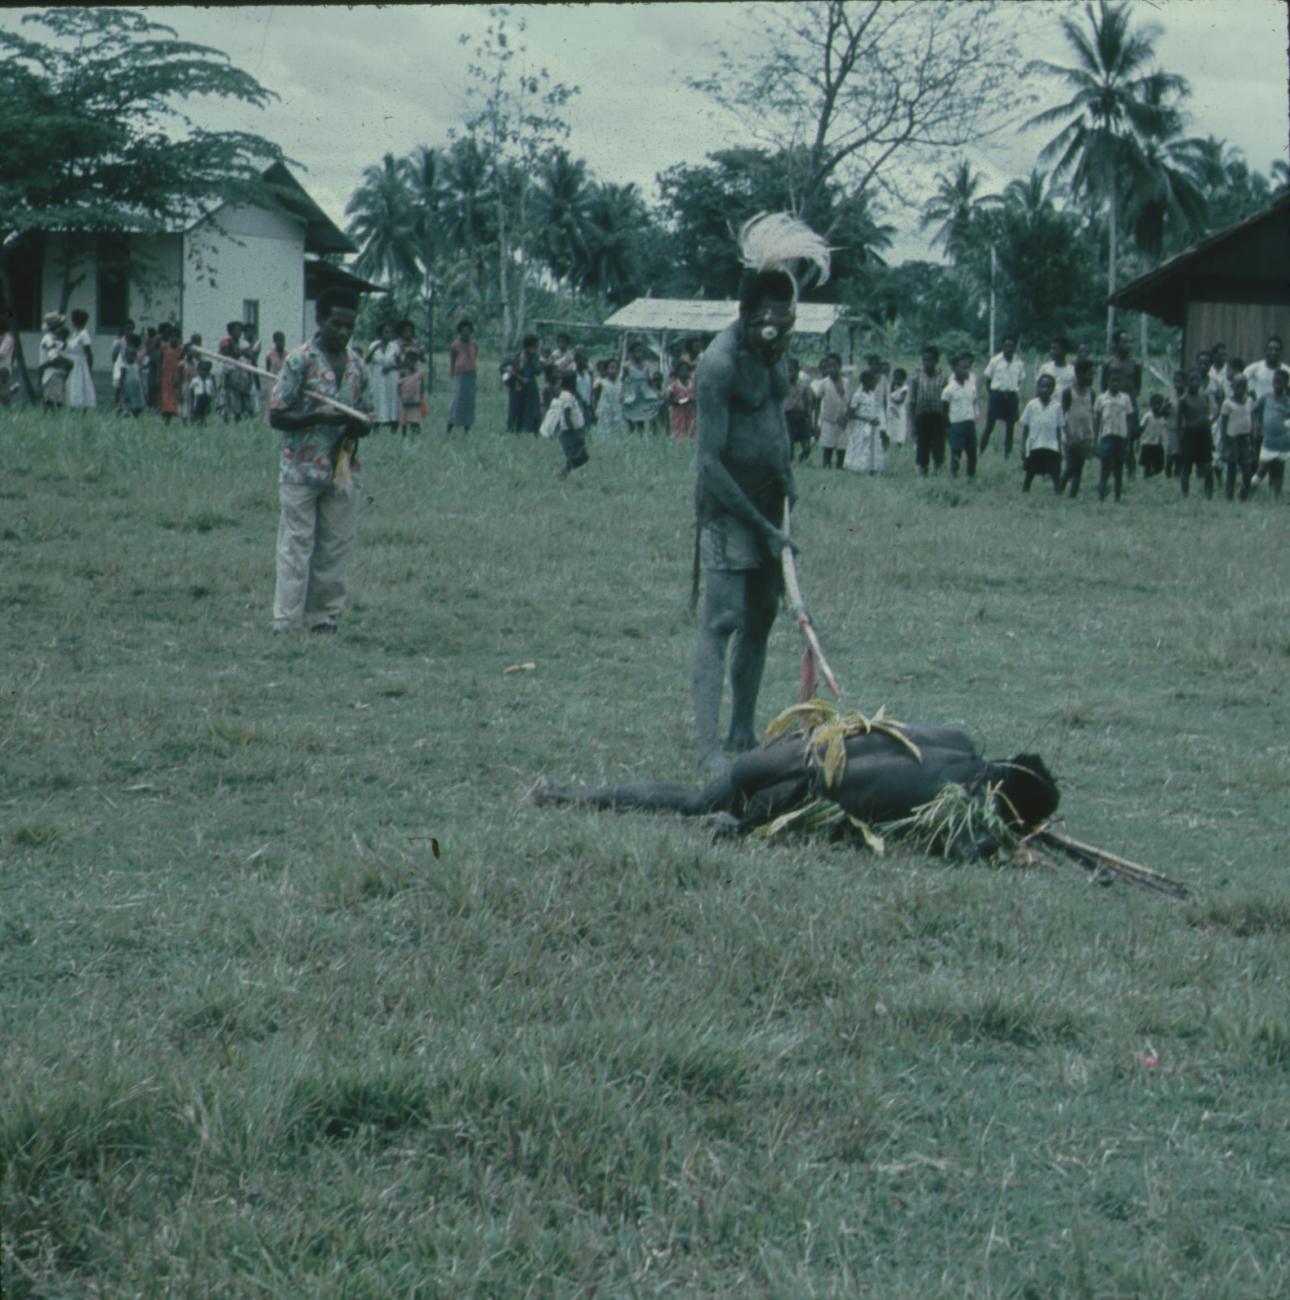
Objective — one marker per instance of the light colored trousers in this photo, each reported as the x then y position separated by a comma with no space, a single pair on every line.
315,546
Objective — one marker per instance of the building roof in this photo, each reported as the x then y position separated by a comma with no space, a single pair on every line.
701,316
1247,262
322,235
322,275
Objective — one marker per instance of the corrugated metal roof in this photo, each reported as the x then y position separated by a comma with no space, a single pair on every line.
700,316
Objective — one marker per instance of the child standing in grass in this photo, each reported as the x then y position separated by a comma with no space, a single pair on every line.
1111,425
797,412
412,394
1197,439
959,397
1173,430
1077,418
132,397
572,425
898,408
680,402
1152,438
54,363
1236,436
1041,435
864,426
201,393
831,410
1272,420
927,407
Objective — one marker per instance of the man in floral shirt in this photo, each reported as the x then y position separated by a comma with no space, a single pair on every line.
317,523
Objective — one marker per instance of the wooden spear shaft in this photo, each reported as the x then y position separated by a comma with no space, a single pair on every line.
338,405
798,606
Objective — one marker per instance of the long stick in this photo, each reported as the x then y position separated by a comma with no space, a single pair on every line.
352,412
1133,871
798,606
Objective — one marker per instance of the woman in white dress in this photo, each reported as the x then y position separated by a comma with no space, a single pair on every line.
80,383
383,362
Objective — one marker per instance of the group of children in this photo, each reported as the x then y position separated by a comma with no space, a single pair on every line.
1221,409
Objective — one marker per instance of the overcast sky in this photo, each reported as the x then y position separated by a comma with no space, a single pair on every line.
358,82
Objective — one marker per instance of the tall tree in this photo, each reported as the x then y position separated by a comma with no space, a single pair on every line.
381,222
467,220
848,88
1233,191
1119,99
616,221
955,207
110,147
561,205
516,119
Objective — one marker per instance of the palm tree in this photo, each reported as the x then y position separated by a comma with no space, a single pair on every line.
861,232
956,205
1118,100
467,223
615,216
1165,188
559,209
381,222
1279,174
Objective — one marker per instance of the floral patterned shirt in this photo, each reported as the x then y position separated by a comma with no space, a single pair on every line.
307,453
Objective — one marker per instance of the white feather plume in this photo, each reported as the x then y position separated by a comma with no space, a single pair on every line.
775,241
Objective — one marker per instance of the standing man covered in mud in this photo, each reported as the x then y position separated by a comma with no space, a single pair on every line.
744,479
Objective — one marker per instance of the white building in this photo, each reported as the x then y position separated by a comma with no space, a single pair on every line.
254,264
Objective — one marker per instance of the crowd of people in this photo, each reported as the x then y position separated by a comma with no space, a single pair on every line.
1221,412
153,368
1223,421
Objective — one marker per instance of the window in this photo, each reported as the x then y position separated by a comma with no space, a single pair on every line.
251,316
113,282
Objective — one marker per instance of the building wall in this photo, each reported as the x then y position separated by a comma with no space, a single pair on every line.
240,255
1244,327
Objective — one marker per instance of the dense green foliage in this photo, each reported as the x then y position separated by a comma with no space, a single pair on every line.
259,1037
114,149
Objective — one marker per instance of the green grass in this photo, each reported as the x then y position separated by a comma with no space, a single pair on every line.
259,1040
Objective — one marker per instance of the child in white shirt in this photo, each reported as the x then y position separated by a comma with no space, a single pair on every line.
959,400
1041,435
201,393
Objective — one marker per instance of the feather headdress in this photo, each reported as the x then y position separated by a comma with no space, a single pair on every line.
777,241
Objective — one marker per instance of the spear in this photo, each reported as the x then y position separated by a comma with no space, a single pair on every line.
346,447
1090,856
327,400
813,655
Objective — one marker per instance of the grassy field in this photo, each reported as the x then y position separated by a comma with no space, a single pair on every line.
259,1040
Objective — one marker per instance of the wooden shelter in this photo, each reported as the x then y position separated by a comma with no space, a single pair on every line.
663,318
1232,287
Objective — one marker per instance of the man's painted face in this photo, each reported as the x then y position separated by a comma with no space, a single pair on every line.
337,329
769,327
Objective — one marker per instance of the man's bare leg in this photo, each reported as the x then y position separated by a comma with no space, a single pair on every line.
723,607
748,660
